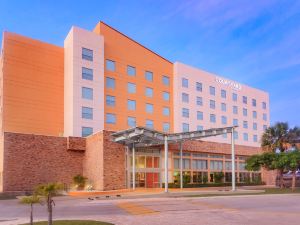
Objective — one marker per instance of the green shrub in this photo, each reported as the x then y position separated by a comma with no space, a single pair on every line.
79,181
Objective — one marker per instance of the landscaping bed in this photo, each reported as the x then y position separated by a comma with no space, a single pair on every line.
72,222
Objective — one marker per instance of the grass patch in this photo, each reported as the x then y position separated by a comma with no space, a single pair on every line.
6,197
267,191
72,222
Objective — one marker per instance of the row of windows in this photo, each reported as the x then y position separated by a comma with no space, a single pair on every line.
186,114
212,91
131,71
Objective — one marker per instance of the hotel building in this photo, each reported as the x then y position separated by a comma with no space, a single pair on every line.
60,105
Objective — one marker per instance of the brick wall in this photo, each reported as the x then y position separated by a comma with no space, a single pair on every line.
30,160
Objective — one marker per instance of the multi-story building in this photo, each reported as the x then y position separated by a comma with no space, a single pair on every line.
102,81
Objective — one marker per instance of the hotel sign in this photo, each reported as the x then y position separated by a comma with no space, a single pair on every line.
229,83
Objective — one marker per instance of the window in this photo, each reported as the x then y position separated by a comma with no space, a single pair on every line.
166,96
149,92
254,102
212,90
149,108
245,124
131,88
254,126
254,138
87,113
110,100
245,136
149,76
224,135
149,124
264,127
199,127
216,165
86,73
199,101
110,82
254,114
166,127
110,65
130,70
198,86
166,80
234,97
244,99
131,104
224,120
235,135
185,127
212,104
223,93
223,107
110,118
131,122
87,54
245,112
87,93
199,164
235,109
86,131
264,116
185,112
199,115
185,82
264,105
185,97
212,118
166,111
235,122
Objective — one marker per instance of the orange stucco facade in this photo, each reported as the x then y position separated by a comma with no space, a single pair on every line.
124,51
33,74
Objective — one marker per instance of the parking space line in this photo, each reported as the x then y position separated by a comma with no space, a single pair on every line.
135,209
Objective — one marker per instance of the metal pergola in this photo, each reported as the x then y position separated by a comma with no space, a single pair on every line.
145,137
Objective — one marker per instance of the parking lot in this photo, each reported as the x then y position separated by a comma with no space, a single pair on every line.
231,210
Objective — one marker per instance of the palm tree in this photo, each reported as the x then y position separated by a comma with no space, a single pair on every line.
49,191
31,200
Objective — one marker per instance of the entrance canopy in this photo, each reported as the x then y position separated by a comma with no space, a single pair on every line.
142,136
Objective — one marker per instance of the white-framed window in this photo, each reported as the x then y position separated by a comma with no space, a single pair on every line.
198,86
199,100
199,115
110,65
223,107
199,127
254,138
86,131
254,114
166,127
149,92
87,93
235,122
212,118
131,71
264,105
87,113
149,76
166,111
166,96
131,104
131,88
110,100
149,124
185,127
245,124
264,116
185,82
131,121
235,135
149,108
223,93
212,104
185,97
235,109
87,54
234,97
166,80
244,99
224,120
245,112
110,82
254,102
110,118
212,90
245,136
185,112
254,126
86,73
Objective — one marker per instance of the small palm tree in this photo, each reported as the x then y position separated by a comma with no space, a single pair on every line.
48,191
31,200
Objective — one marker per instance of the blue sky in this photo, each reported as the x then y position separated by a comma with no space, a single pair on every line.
253,42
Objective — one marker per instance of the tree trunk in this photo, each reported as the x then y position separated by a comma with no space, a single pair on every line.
294,181
281,178
31,214
49,203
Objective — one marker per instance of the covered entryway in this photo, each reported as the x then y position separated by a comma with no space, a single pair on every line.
138,175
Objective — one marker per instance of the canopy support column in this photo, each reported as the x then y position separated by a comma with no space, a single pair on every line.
181,177
232,161
166,163
133,167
